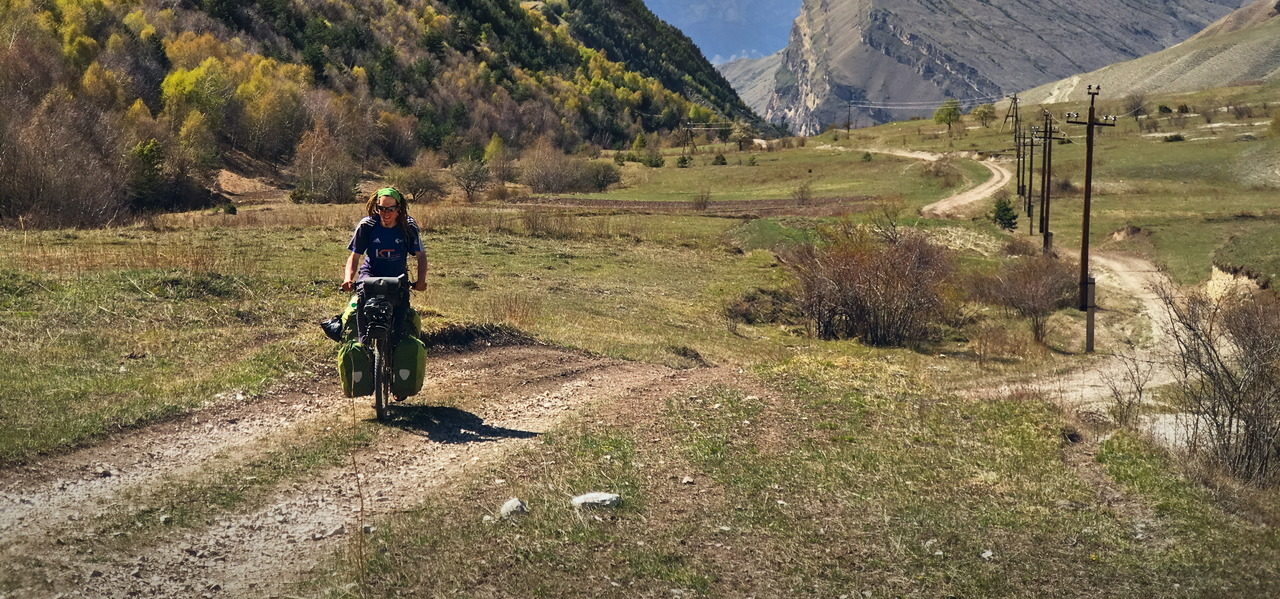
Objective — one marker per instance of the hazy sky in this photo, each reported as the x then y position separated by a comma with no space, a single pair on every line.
729,29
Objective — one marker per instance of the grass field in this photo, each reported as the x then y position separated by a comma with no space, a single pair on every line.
810,468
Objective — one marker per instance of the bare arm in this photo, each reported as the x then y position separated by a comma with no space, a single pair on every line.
349,271
421,280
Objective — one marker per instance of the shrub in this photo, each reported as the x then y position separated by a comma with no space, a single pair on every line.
752,161
471,176
1004,215
1225,356
866,157
597,176
719,160
802,193
324,171
764,306
421,180
652,158
1034,288
684,161
1175,137
546,169
883,293
1020,246
702,201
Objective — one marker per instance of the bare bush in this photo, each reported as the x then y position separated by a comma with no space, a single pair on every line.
802,194
1128,385
702,200
882,293
546,169
1033,287
1227,358
420,180
325,172
513,308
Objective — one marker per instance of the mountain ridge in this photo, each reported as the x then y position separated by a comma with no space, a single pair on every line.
895,60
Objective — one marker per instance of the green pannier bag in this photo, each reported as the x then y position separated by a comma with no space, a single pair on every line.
356,370
408,367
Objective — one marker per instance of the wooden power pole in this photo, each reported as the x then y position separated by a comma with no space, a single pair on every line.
1046,179
1087,303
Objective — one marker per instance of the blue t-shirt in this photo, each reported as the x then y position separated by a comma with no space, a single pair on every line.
385,249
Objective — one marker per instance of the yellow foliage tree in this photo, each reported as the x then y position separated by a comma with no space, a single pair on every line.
101,85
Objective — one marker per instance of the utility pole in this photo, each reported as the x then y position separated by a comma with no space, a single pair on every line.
848,122
1012,114
1087,288
1030,179
1046,174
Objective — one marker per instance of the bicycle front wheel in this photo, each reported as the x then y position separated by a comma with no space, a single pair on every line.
381,382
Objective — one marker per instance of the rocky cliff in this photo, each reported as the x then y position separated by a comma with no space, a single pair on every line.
895,59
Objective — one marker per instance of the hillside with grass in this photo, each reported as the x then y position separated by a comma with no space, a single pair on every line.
120,109
799,375
1242,48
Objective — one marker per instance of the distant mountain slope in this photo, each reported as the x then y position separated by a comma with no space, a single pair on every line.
755,78
1251,14
900,58
727,30
1243,47
121,108
627,32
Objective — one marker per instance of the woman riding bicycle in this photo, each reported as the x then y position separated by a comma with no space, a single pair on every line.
383,241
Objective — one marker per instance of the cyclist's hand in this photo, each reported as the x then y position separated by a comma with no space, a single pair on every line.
420,286
347,285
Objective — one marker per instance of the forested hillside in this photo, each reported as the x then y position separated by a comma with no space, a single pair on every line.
113,108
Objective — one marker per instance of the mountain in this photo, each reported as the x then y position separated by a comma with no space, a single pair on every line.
895,59
121,108
1243,46
727,30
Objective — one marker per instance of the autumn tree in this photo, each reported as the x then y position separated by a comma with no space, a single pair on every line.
498,160
985,113
742,134
324,170
948,114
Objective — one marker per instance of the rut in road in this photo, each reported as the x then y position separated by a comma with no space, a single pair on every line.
509,396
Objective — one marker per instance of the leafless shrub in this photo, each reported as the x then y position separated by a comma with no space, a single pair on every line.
1128,385
885,221
992,341
1020,246
1033,287
325,172
943,172
1227,358
421,180
802,194
882,293
702,200
546,169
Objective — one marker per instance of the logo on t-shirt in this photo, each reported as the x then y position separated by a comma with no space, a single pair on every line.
388,254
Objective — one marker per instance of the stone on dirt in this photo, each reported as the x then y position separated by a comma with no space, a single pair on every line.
513,507
597,499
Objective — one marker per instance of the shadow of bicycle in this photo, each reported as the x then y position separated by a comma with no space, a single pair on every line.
449,425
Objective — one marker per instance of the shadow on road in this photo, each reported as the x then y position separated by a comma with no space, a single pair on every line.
449,425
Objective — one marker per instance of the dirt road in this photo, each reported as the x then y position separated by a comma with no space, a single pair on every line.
477,407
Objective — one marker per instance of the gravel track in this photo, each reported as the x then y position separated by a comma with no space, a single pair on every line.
511,394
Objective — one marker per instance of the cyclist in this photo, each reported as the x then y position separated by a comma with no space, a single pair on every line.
383,241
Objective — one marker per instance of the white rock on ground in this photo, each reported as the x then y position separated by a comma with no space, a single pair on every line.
597,500
513,507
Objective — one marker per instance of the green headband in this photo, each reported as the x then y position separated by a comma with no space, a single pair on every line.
390,191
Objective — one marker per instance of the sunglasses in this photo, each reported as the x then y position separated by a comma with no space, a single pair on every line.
387,208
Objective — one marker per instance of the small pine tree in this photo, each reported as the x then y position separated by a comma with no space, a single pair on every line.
1004,216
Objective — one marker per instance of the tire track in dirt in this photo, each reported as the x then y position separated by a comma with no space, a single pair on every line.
513,394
